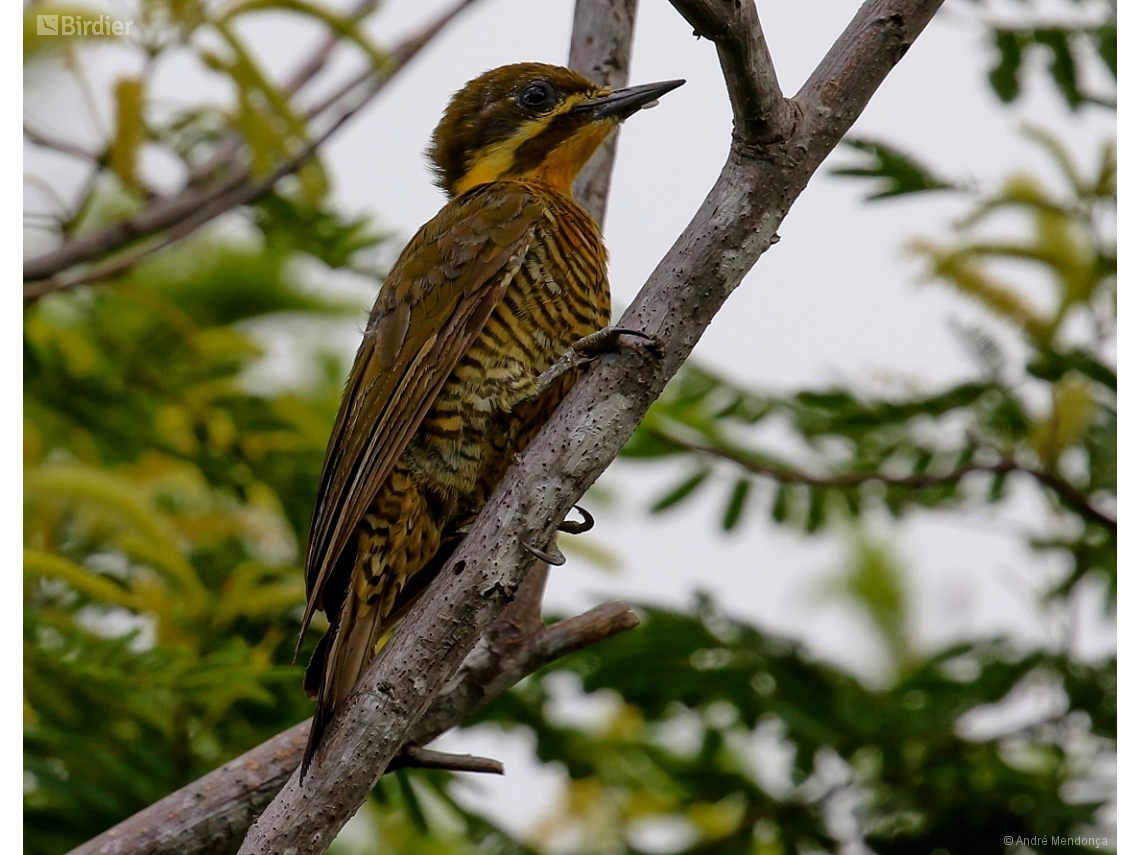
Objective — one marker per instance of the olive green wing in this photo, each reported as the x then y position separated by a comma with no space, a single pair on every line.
433,304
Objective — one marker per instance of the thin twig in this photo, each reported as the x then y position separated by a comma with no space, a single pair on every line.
73,63
414,757
186,211
52,195
1069,494
45,140
216,204
230,145
161,215
399,57
316,63
1071,497
578,633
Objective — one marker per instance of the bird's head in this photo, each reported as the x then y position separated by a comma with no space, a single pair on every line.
529,121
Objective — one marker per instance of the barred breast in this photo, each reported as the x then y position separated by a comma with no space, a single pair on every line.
485,412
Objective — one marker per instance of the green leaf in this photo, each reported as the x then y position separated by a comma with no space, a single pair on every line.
129,130
898,174
296,225
852,498
646,443
780,504
345,27
681,492
221,285
1004,77
997,487
1106,46
1064,44
737,501
411,801
1062,69
875,581
817,508
922,460
1051,365
95,587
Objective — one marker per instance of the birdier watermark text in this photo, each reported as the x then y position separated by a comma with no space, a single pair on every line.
78,25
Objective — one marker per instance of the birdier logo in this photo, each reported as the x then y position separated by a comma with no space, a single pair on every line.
77,25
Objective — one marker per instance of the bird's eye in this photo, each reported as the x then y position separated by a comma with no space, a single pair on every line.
537,95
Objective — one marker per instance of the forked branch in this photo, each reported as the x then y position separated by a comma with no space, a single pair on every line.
761,113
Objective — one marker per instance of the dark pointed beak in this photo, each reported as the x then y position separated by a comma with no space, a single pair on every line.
623,103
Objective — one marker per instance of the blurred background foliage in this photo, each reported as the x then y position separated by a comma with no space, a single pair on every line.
168,490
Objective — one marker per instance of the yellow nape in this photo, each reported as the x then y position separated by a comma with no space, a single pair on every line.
491,164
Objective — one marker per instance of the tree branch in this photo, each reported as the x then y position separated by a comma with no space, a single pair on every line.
211,815
1068,494
44,140
734,225
195,205
1071,497
162,214
313,66
760,112
876,39
415,757
242,192
600,48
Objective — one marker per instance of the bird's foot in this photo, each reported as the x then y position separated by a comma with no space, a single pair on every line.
588,348
551,555
573,527
609,339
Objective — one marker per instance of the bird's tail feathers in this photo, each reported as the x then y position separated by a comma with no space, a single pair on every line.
339,661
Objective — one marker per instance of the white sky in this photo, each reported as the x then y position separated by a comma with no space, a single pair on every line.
834,301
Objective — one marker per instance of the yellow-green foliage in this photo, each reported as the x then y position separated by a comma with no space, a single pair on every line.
165,507
1064,241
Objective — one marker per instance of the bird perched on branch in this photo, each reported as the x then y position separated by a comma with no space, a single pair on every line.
464,356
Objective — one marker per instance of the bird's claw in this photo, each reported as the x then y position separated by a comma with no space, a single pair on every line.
572,527
588,348
608,339
551,555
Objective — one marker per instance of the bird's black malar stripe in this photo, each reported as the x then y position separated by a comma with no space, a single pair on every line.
534,151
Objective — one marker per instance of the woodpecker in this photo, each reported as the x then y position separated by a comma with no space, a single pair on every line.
454,374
